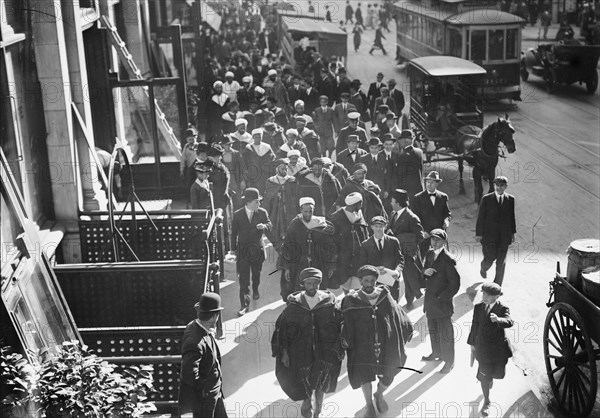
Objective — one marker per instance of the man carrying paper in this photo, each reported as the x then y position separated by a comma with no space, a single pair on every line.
383,251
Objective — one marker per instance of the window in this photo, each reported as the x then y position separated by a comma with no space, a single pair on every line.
478,45
454,38
496,45
437,35
512,36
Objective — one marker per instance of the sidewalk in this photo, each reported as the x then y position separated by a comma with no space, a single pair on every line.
533,33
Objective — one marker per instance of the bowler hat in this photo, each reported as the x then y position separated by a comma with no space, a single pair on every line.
367,270
311,273
433,175
492,289
406,133
400,195
387,137
390,115
439,233
209,302
374,141
251,194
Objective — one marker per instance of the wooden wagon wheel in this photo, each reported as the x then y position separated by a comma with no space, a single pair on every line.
570,360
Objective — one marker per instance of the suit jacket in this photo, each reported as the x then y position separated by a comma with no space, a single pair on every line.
431,217
398,97
340,116
201,377
390,181
389,101
245,238
389,257
294,95
376,171
373,93
409,171
323,122
345,132
496,224
409,232
489,338
441,287
311,100
345,159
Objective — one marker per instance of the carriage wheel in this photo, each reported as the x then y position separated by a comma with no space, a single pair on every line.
550,80
570,360
592,84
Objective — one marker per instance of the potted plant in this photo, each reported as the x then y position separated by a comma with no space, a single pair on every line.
76,383
16,380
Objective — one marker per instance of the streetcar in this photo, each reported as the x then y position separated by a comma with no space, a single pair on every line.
482,33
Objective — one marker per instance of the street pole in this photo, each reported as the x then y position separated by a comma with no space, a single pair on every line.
196,15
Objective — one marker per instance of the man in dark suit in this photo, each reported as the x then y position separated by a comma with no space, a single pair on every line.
431,206
341,111
374,92
296,92
247,228
397,96
384,99
353,128
410,164
323,117
376,164
406,227
488,339
200,389
442,283
383,251
496,228
352,154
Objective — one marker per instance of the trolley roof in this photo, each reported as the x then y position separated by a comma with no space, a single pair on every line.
308,25
488,17
442,66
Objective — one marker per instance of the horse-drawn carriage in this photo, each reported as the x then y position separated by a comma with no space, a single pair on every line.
562,63
572,330
446,110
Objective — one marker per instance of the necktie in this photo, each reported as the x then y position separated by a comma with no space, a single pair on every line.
488,308
251,216
379,244
500,200
430,258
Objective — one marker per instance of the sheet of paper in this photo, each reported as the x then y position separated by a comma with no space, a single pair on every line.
386,278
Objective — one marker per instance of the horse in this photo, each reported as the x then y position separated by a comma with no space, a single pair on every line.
479,148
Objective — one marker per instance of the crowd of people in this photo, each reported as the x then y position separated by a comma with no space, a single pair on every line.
332,177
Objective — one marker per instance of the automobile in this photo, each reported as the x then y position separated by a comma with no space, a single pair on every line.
565,62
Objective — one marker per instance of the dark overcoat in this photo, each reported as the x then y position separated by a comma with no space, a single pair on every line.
441,287
219,177
312,338
364,326
324,194
281,202
496,223
409,171
348,238
489,338
200,378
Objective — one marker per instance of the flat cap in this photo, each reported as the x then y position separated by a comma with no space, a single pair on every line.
317,160
439,233
358,166
492,289
367,270
353,198
378,220
311,273
307,201
323,97
352,138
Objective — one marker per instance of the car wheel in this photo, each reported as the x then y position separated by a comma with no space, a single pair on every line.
592,85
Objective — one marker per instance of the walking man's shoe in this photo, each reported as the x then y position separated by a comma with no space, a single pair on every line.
447,368
431,357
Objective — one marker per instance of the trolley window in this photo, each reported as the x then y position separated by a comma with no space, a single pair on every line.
512,39
454,42
496,44
478,45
